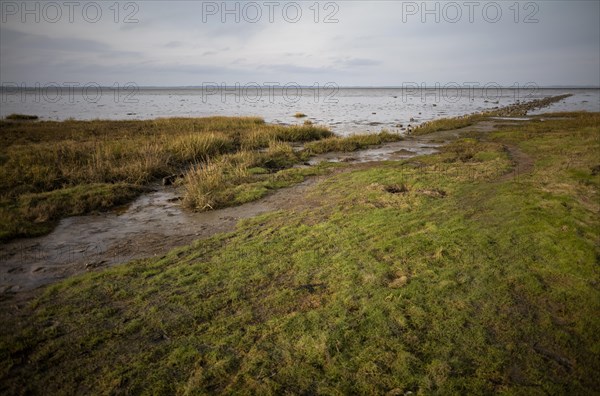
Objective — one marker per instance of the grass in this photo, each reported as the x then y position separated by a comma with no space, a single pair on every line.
112,159
350,143
37,214
447,124
21,117
299,115
434,275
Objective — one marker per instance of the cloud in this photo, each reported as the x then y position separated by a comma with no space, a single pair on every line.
370,45
173,44
359,62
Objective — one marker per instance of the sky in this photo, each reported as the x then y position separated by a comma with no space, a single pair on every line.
348,43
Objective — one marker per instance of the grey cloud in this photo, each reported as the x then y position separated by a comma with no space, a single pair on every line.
21,42
370,45
359,62
289,68
173,44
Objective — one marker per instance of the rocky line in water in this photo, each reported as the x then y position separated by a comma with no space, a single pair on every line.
521,109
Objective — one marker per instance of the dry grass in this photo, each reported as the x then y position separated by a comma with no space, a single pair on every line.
46,157
351,143
447,124
205,184
21,117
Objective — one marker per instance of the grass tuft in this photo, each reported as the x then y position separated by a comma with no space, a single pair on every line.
21,117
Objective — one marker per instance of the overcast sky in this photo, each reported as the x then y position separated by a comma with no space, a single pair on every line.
366,43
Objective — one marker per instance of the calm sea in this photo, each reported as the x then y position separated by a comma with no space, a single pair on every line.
344,110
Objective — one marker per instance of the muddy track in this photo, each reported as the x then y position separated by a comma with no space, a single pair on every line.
522,163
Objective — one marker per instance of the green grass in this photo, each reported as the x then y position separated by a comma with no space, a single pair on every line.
433,275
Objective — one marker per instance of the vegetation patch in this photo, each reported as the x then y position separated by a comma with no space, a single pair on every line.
492,289
351,143
42,163
21,117
225,161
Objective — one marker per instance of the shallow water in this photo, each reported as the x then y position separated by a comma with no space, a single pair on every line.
345,110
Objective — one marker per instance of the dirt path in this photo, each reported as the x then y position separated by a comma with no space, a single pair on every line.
523,163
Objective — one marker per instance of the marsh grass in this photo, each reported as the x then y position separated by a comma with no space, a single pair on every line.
243,177
447,124
380,287
55,157
351,143
21,117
